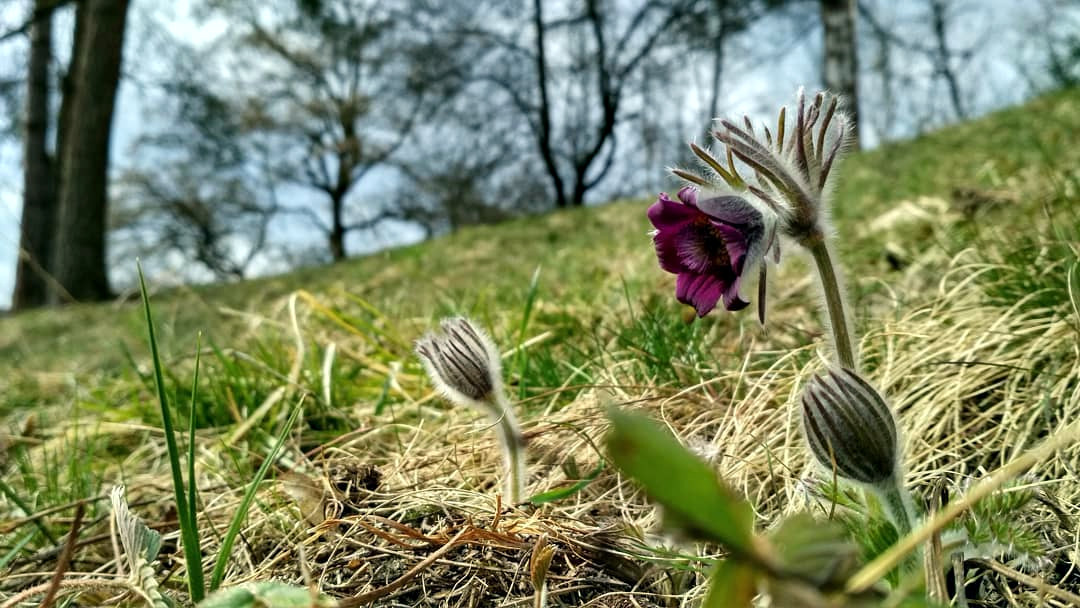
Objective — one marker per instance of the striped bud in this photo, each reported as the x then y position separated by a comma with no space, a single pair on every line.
462,362
850,427
464,365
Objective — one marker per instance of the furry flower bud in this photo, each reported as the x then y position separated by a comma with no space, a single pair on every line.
463,363
848,425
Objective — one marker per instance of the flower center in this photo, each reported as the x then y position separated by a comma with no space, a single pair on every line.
713,243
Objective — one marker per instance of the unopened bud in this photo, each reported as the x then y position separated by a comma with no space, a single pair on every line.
850,427
464,365
462,362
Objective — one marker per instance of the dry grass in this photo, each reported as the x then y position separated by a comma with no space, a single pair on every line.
388,496
974,383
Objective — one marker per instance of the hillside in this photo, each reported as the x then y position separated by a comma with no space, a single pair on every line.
961,251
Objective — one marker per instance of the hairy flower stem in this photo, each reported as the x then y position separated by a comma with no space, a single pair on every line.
834,300
897,505
895,499
513,447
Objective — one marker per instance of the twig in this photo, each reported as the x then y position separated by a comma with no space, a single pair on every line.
80,584
960,580
42,12
374,594
1040,585
1004,591
30,518
65,558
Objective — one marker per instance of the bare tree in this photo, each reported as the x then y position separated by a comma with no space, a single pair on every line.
942,55
453,185
39,193
337,88
1058,32
569,84
197,192
927,40
840,63
179,213
79,254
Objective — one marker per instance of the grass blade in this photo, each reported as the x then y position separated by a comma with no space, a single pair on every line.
561,493
192,489
9,492
241,512
22,542
188,532
520,357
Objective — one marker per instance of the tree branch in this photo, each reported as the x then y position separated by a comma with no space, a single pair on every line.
42,12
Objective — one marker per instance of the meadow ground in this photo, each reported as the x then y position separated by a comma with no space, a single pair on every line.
962,255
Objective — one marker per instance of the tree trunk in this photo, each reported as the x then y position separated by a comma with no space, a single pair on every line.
79,262
718,65
840,64
577,198
944,55
39,192
546,152
337,228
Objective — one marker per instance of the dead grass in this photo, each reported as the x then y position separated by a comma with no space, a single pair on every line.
390,496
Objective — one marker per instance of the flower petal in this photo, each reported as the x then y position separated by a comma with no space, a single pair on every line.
706,246
702,291
688,195
671,219
666,213
733,210
667,250
732,301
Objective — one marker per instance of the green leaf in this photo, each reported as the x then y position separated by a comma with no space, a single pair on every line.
874,535
266,594
233,597
816,550
561,493
731,585
192,499
687,487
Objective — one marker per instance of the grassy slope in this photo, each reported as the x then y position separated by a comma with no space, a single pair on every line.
1019,150
603,316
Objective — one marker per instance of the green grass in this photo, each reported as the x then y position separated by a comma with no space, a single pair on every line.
968,302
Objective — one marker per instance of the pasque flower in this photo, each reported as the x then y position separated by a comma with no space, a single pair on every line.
710,244
849,426
788,172
851,430
464,365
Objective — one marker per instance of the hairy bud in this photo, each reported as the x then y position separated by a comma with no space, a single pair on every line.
462,362
464,365
849,426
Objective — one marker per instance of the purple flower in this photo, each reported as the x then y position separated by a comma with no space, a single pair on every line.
710,244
